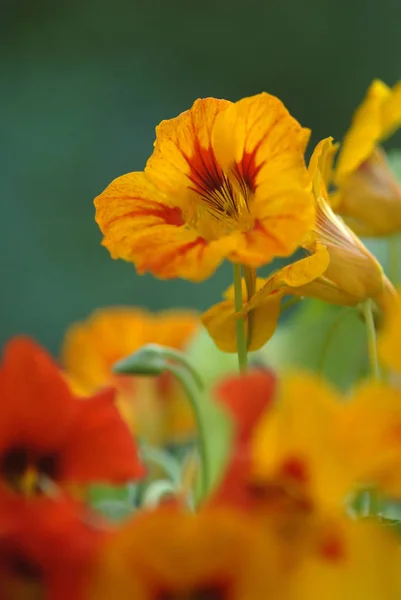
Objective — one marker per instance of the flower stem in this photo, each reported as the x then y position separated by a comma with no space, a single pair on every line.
371,338
193,396
240,322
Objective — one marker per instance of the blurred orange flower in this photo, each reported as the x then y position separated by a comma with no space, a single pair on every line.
338,269
225,180
48,548
214,554
156,408
368,193
48,434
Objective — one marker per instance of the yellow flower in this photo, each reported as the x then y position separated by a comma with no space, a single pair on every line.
348,560
155,408
225,180
368,194
215,554
372,428
298,446
339,269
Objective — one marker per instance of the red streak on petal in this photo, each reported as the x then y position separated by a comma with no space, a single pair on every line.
332,549
170,215
247,169
295,469
206,174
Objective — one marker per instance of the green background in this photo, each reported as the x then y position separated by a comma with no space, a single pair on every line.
85,83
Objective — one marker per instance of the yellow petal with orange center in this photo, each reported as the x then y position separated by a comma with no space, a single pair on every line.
224,181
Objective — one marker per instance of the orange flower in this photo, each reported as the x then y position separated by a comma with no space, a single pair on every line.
156,408
368,194
48,548
225,180
46,433
339,269
215,554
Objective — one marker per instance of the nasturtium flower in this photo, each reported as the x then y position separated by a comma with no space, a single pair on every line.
216,554
368,195
49,435
297,445
225,180
338,269
155,408
48,548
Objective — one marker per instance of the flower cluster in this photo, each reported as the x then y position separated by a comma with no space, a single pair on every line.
125,475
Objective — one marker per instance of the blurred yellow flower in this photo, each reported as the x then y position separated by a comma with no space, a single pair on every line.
320,447
156,408
348,559
225,180
339,269
368,194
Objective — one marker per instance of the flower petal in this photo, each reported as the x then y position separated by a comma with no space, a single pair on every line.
140,225
257,139
365,130
100,449
292,278
37,406
183,157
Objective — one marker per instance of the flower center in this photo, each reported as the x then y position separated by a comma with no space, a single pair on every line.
221,203
23,468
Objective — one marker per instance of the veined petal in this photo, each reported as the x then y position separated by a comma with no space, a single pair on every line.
278,224
258,141
224,181
365,132
183,157
140,224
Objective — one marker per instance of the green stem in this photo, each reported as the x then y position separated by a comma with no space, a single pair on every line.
240,322
187,382
371,338
332,330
